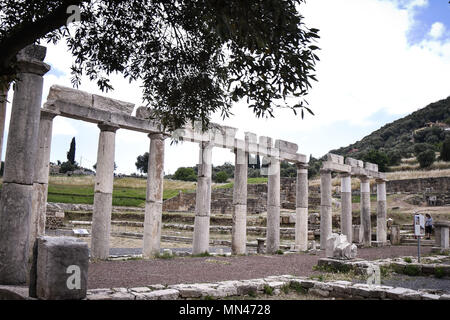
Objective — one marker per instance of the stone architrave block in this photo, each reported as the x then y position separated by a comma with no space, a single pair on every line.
360,172
354,162
85,99
113,105
286,146
265,142
144,113
69,95
62,268
335,158
371,166
336,167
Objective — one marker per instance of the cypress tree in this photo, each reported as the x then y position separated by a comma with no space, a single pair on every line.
71,152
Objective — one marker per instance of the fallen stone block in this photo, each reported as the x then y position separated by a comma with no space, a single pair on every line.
166,294
428,296
319,292
61,268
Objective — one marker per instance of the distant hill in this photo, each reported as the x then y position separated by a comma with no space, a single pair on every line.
424,128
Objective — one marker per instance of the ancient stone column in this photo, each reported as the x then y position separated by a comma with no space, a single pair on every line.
365,211
239,228
3,100
154,197
346,205
203,200
301,208
273,206
18,176
325,208
104,180
381,212
41,172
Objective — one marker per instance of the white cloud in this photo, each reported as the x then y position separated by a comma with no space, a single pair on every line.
62,126
437,30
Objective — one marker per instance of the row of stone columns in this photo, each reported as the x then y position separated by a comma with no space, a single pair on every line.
346,205
239,217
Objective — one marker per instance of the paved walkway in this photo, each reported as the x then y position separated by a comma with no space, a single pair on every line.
135,273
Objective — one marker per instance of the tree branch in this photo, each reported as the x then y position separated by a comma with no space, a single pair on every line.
28,32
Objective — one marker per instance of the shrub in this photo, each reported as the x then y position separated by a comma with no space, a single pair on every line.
426,158
221,177
268,290
407,259
422,147
296,286
185,174
445,150
439,272
67,166
412,270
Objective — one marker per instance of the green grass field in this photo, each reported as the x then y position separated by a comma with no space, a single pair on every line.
129,192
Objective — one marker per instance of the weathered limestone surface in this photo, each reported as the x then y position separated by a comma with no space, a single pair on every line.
354,163
395,235
301,221
325,207
62,268
442,234
203,200
41,172
153,204
15,215
381,212
104,178
335,158
337,167
338,247
286,146
17,191
89,100
239,228
273,203
346,205
365,211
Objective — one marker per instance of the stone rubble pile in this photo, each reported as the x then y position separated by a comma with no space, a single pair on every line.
223,289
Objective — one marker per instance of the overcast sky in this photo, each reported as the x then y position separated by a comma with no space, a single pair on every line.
380,60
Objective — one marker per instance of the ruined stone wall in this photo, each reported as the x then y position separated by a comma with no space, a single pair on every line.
222,199
433,185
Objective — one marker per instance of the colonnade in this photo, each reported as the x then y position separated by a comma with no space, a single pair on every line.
365,172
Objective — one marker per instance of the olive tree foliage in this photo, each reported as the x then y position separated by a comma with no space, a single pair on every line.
193,58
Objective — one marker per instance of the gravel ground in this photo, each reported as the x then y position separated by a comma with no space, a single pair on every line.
135,273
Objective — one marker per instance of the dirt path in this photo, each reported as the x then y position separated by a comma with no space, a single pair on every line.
135,273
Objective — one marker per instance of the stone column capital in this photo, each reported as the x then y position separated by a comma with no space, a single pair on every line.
301,165
30,60
157,136
344,175
48,114
379,181
206,145
364,178
324,171
107,126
